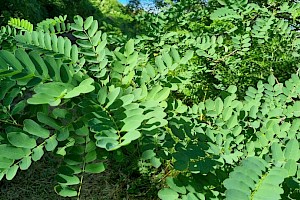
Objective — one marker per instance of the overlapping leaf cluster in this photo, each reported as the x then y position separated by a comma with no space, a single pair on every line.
255,140
76,100
235,42
82,99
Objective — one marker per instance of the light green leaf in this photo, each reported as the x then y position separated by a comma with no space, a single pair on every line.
67,180
78,20
102,94
132,123
88,22
187,56
291,167
83,88
11,152
112,96
25,163
43,118
95,167
130,136
65,191
227,113
162,95
277,153
129,47
11,172
74,53
175,55
93,29
148,154
155,162
5,162
175,185
168,194
34,128
219,105
37,153
232,89
51,144
20,139
292,150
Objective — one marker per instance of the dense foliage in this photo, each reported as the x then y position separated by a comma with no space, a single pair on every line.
235,42
109,12
207,93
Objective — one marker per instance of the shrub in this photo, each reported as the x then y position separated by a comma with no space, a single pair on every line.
235,42
81,101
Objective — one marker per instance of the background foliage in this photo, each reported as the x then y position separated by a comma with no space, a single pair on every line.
201,97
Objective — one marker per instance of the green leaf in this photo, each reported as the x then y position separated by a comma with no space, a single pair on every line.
155,162
90,156
5,162
227,113
43,118
277,153
67,180
232,89
102,94
20,139
181,165
11,172
37,153
148,154
25,60
175,55
232,121
74,53
11,152
96,39
291,167
78,20
235,194
59,113
167,59
19,107
25,163
83,88
130,136
162,95
51,144
271,80
219,105
65,191
188,55
129,47
11,60
88,22
93,29
34,128
61,45
95,167
292,150
112,96
175,185
132,122
168,194
1,175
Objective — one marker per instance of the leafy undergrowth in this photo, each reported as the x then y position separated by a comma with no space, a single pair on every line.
38,181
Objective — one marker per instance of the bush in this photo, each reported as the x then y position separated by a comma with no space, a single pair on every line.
235,42
97,95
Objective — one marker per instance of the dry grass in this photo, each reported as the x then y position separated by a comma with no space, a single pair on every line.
116,183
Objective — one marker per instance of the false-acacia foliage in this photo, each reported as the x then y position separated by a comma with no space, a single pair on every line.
83,100
235,41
